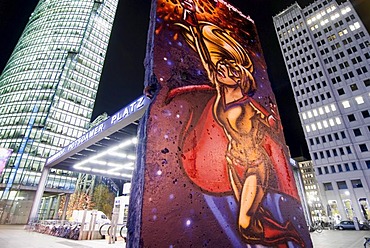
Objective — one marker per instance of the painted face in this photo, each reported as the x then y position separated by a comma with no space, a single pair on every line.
228,72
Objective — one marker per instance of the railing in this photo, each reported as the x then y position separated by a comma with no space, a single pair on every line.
106,230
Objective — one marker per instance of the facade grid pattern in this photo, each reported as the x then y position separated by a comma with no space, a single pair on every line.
326,51
47,94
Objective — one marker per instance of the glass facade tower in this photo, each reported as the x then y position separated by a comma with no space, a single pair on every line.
326,51
47,95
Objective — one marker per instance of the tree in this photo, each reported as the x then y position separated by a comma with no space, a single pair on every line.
103,199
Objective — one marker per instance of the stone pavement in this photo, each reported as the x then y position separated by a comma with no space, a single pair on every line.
339,239
14,236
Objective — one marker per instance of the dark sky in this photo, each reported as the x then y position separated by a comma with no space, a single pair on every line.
123,73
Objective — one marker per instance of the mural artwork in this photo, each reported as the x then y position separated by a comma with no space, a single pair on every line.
216,164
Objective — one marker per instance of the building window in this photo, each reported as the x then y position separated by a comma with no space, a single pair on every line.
315,155
322,155
342,185
328,153
332,167
363,148
328,186
341,91
346,165
357,132
335,153
326,170
340,169
353,87
367,82
354,165
365,113
320,170
356,183
341,151
349,151
351,117
367,164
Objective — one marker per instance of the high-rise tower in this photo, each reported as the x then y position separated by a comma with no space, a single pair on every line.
327,55
47,95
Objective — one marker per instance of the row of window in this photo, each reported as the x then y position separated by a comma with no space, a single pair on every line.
346,103
318,98
334,152
356,183
337,168
32,178
329,9
327,138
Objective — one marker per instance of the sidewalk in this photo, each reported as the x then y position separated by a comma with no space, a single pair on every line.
16,237
339,239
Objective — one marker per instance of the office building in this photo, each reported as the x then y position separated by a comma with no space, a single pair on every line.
313,200
327,55
47,95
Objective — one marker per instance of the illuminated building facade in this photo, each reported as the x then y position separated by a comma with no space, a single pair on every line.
311,190
47,95
327,52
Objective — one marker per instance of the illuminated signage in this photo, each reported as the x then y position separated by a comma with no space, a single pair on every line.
121,115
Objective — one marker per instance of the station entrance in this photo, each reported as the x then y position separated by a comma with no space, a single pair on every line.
108,150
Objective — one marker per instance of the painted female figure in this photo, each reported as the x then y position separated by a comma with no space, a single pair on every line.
244,122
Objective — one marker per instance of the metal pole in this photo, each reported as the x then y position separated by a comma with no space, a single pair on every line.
66,202
40,191
51,201
56,211
82,225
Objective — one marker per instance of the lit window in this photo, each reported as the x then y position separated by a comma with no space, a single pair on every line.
343,32
346,104
321,111
319,126
333,108
331,122
313,127
355,26
359,100
335,16
308,129
325,123
327,110
345,10
337,120
322,23
315,112
304,116
309,114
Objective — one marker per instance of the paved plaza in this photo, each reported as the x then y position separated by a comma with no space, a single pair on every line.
16,237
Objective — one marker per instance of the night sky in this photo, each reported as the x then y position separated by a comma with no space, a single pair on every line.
123,73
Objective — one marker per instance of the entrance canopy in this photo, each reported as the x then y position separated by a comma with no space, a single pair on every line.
107,149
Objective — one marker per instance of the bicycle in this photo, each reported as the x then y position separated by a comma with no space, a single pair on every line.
367,242
316,227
